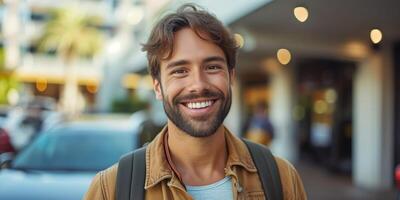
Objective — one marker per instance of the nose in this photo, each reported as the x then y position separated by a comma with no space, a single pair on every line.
198,81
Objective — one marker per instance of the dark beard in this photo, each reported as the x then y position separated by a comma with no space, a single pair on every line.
205,127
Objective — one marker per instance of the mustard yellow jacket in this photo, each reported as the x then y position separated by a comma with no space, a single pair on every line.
162,183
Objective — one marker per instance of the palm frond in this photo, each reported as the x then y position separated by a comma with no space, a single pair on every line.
72,34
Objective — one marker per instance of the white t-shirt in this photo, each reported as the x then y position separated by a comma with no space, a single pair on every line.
221,189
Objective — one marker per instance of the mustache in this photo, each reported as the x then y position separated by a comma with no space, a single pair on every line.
202,94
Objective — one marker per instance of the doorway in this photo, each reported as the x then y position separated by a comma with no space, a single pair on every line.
323,112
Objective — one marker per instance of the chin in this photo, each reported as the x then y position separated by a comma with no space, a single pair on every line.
199,131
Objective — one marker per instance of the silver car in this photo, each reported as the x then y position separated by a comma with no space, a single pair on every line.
62,161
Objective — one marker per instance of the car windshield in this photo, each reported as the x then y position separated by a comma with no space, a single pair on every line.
75,151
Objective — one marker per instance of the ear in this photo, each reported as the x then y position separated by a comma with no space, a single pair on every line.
157,89
232,76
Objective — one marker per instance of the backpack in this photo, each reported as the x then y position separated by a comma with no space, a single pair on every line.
134,165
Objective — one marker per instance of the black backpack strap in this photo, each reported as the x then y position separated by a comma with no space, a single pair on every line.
124,176
131,165
267,170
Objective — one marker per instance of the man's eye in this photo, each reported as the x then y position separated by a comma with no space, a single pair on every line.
213,67
179,72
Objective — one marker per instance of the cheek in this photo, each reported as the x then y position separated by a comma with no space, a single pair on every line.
172,89
222,83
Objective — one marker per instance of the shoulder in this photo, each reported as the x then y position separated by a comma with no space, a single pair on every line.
103,185
285,166
292,185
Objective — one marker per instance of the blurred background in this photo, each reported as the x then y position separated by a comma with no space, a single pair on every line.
319,79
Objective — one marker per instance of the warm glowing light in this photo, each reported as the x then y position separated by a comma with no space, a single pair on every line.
41,84
131,81
301,13
283,56
376,36
320,107
239,40
92,88
330,96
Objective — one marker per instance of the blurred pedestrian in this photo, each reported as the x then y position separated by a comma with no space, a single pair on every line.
260,129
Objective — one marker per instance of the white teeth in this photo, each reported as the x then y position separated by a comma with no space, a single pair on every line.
198,105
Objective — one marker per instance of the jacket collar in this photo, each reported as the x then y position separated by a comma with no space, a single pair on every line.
158,169
238,154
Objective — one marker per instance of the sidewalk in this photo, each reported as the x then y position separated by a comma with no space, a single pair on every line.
322,184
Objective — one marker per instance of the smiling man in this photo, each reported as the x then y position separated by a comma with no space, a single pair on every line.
192,59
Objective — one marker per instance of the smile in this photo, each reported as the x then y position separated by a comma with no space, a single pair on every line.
200,104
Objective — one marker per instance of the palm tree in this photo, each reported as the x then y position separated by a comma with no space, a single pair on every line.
71,34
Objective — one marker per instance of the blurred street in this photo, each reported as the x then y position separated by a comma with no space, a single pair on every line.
322,184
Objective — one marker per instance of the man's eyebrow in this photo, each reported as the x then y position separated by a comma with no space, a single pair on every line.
185,62
214,58
177,63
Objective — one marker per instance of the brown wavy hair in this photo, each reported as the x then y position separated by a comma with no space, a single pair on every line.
160,43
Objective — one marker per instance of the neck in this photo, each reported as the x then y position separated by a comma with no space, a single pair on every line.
198,160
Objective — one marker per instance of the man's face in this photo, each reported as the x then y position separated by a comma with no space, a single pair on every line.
195,85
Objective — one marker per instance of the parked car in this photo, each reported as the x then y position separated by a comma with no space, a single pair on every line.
27,119
62,161
5,143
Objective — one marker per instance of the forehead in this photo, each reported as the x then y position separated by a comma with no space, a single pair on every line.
189,46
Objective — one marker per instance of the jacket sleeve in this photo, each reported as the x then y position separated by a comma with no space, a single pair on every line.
103,185
292,185
95,190
299,192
